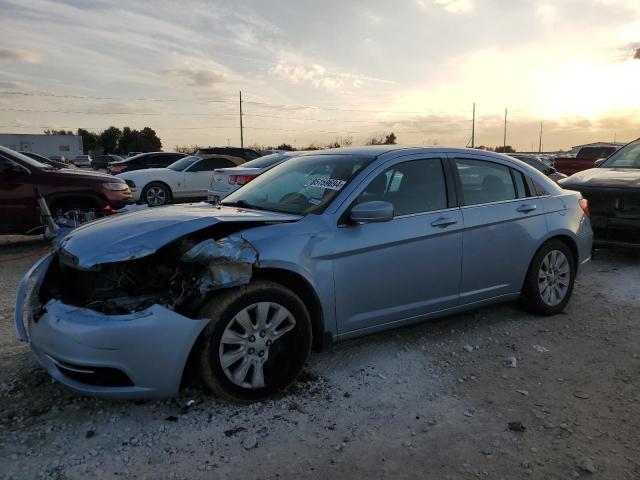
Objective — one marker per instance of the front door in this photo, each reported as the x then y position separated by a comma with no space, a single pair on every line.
18,212
198,176
405,268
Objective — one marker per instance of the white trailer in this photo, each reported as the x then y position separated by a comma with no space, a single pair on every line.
68,146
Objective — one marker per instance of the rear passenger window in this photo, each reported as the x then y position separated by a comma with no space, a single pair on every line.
521,184
412,187
485,182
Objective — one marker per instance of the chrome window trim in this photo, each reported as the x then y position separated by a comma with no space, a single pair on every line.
429,212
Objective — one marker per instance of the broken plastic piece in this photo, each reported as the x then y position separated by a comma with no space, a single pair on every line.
229,262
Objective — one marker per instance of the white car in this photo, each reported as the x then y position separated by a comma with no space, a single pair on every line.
82,161
228,180
185,179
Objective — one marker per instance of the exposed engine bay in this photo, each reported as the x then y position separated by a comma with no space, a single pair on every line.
179,276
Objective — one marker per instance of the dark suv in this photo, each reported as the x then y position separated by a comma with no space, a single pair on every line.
65,190
144,161
244,153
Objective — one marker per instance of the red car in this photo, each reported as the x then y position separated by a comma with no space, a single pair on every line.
64,190
585,159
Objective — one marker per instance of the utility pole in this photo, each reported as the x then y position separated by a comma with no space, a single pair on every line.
540,144
241,133
504,142
473,127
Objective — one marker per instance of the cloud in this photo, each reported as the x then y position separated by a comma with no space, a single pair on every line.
455,6
548,14
198,78
316,75
18,55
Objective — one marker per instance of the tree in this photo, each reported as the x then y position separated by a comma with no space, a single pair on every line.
382,140
507,149
109,139
89,140
58,132
149,141
390,139
285,146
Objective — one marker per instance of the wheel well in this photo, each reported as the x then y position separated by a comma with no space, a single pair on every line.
299,285
158,182
569,242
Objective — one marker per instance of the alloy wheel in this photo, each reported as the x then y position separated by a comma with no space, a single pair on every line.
554,277
247,339
156,196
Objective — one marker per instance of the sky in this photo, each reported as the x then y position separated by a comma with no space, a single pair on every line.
314,72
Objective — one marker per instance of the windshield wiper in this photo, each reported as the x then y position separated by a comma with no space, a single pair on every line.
240,203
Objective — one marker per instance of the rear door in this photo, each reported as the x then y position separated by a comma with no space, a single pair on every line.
397,271
503,225
199,176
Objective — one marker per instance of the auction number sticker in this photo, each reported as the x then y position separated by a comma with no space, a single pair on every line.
326,183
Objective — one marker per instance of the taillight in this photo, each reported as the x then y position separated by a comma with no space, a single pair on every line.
115,170
240,179
584,205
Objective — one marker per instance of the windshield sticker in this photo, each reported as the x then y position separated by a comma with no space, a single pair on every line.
315,201
326,183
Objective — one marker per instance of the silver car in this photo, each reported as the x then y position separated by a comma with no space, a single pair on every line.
225,181
324,247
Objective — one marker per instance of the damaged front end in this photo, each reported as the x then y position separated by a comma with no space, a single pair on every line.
179,277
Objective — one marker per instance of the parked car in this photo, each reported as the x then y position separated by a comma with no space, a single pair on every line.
228,180
613,191
245,153
133,154
101,161
82,161
143,161
327,246
539,165
61,159
64,190
46,161
585,159
186,179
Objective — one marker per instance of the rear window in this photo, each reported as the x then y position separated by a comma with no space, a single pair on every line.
595,152
266,161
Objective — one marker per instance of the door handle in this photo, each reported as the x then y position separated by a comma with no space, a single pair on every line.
443,222
526,208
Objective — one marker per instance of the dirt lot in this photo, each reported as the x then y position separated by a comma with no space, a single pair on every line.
496,393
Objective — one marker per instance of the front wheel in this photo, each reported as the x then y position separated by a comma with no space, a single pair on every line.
256,343
550,279
156,194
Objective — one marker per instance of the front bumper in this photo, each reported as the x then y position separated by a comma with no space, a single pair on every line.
138,355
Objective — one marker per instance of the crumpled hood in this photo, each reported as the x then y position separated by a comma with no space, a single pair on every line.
127,236
604,177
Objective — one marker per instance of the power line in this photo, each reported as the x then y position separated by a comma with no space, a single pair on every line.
263,104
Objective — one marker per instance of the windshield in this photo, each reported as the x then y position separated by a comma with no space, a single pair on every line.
301,185
183,163
626,157
266,161
29,161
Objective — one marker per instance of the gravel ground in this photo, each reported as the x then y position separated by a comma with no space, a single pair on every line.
495,393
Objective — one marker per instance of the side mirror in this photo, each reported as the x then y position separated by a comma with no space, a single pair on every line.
599,162
372,212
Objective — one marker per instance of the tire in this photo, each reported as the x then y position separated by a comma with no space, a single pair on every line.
550,279
285,348
156,194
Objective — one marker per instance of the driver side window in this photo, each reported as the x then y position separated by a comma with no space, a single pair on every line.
416,186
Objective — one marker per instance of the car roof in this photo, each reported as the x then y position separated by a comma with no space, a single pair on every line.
377,150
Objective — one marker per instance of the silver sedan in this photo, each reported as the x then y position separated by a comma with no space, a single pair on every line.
327,246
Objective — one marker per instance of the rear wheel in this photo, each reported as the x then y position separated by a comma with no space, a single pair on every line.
550,279
156,194
256,343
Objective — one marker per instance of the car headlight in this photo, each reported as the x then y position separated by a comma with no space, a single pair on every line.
116,186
